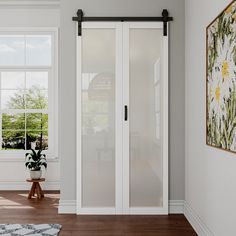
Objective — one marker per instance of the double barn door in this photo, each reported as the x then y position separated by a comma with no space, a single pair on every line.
122,118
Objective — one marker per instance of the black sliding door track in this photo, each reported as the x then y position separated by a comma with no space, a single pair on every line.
164,18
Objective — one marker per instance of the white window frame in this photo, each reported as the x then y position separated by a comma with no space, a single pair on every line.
52,152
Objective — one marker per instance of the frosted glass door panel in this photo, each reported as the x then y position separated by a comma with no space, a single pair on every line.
146,181
98,118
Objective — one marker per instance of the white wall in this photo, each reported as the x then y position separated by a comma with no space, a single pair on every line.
13,172
210,173
68,81
13,175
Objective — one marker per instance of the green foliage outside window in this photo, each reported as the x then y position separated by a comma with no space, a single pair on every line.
26,130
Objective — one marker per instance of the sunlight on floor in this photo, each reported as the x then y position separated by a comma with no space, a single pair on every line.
8,204
21,201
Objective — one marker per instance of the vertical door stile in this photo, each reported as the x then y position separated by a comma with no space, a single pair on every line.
126,162
119,131
165,131
78,123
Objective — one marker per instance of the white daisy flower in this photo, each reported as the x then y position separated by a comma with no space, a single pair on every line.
225,63
224,74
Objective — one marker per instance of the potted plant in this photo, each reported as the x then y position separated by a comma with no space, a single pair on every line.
34,162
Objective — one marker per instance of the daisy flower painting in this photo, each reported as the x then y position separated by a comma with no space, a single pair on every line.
221,80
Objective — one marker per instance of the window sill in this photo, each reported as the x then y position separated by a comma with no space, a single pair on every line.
19,157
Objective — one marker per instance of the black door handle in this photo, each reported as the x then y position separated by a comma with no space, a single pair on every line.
126,112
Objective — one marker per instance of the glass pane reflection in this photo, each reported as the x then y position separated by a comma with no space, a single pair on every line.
98,118
146,180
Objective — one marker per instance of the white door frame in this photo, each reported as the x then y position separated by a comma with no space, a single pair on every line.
122,127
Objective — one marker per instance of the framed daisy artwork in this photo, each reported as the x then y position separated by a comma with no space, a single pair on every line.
221,80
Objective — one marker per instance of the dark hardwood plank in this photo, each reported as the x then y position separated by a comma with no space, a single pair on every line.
16,208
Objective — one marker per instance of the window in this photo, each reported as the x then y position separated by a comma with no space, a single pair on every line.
28,94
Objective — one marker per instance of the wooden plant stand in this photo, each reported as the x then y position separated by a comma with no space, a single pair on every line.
36,188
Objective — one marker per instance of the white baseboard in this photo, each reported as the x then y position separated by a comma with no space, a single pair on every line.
199,226
176,206
23,185
69,207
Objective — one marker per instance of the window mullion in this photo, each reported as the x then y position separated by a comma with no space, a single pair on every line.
25,68
20,111
25,101
1,110
24,50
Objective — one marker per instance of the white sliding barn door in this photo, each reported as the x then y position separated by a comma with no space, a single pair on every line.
122,154
145,134
99,117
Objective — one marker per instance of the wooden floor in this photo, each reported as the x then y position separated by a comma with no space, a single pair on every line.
16,208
